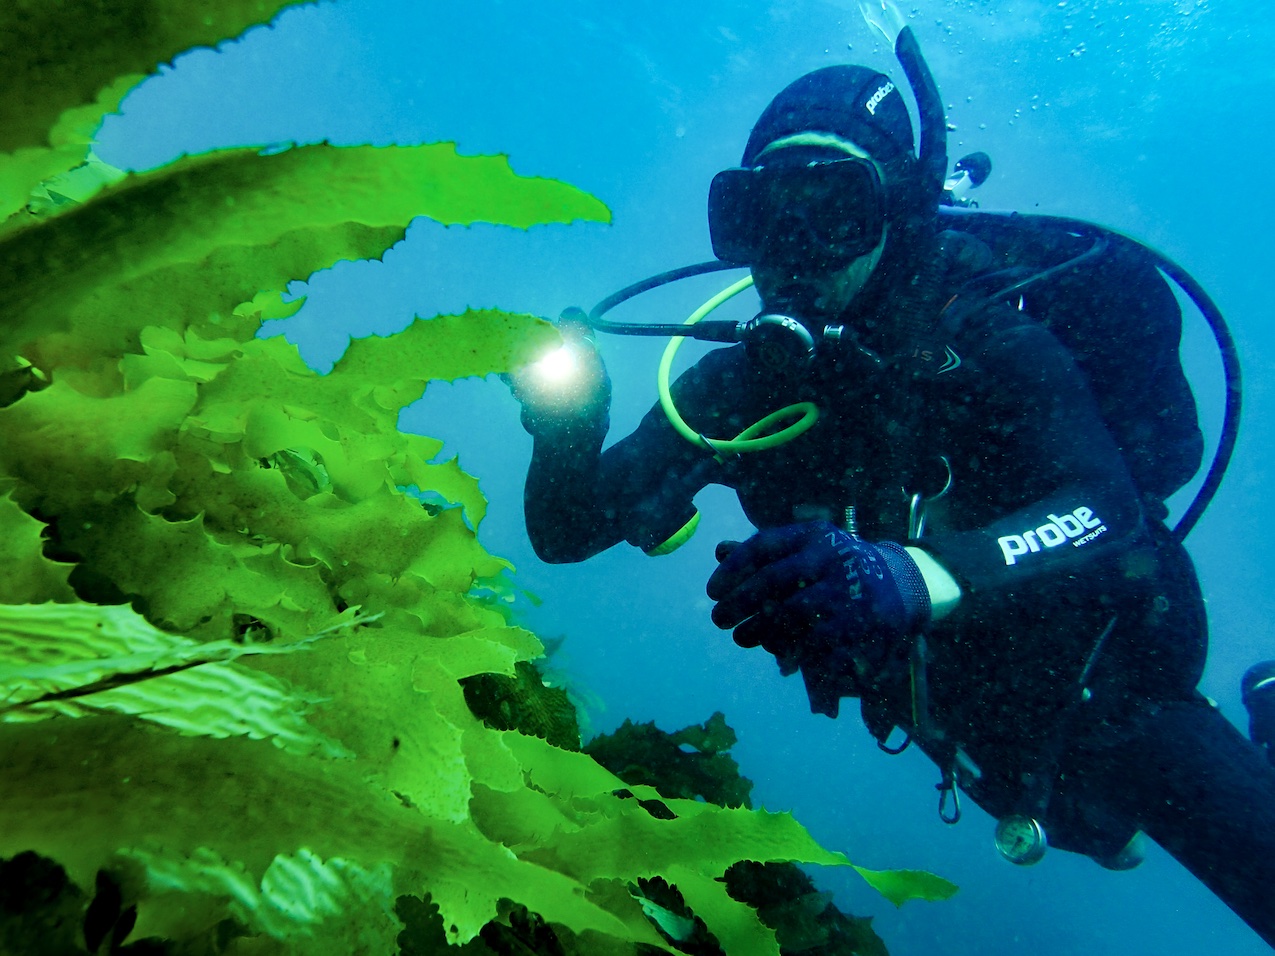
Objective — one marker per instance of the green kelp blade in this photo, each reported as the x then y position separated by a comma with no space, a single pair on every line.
299,896
69,64
40,181
75,450
59,55
348,419
123,772
73,660
736,925
394,696
387,373
609,838
129,258
715,838
702,833
29,577
75,186
206,818
899,886
201,475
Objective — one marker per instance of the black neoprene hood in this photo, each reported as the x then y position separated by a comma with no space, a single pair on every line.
852,102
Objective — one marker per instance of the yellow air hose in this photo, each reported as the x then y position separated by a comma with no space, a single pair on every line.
756,437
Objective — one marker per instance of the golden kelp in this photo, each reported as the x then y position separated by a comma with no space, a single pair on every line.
232,646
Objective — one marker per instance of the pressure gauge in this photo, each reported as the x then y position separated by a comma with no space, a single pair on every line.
1020,839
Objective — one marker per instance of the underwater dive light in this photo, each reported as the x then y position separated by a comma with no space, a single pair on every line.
558,368
568,378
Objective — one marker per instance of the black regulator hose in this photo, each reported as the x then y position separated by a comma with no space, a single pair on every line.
1234,391
965,218
711,331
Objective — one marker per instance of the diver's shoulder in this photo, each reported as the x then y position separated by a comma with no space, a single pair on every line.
963,255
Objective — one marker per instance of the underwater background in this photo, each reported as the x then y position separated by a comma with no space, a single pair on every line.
1150,116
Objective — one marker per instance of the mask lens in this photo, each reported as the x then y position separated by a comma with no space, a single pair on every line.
816,216
732,215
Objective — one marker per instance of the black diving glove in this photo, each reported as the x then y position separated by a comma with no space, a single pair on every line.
568,392
823,602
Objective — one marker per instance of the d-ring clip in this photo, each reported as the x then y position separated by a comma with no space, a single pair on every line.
947,789
918,502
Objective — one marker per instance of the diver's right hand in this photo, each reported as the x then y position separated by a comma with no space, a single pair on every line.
569,388
823,601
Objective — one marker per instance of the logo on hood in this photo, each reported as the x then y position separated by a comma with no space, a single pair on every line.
875,100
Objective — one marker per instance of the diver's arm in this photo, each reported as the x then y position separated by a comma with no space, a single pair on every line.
566,521
580,501
1070,502
566,404
640,490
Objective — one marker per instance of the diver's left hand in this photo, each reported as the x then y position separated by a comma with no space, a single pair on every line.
821,601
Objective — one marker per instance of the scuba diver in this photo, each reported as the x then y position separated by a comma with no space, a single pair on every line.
955,432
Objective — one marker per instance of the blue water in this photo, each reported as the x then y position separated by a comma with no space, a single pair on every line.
1152,116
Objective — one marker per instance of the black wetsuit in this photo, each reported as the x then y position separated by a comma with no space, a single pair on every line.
1072,659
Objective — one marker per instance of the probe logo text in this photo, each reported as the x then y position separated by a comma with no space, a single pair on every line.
875,100
1080,527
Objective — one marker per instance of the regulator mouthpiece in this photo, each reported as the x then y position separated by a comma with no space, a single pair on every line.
778,344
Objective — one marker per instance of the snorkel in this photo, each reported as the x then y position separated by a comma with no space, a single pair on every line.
932,155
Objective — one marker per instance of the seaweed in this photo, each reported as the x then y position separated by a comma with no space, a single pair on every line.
804,919
43,912
524,702
236,652
692,763
689,764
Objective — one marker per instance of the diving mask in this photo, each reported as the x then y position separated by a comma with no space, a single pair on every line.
817,217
